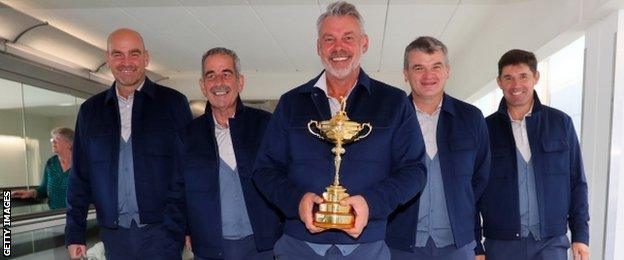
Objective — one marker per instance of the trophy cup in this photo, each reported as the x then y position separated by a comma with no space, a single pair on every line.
340,131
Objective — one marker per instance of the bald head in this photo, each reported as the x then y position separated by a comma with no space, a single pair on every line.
127,58
123,33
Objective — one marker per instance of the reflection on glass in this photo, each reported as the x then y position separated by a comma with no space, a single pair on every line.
12,143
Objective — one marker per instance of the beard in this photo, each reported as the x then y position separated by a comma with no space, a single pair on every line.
341,73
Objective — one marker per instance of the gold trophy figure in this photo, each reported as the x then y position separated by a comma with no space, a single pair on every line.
340,131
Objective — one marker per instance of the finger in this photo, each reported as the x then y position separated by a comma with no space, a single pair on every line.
317,199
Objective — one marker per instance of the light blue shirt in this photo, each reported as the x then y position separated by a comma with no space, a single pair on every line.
235,222
127,206
529,213
433,218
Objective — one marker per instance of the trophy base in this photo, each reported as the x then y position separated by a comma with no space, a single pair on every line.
329,220
331,214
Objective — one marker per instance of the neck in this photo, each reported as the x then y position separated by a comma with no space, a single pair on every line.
427,105
339,87
64,156
518,112
222,115
126,90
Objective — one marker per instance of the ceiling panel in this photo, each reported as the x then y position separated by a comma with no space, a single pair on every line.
406,23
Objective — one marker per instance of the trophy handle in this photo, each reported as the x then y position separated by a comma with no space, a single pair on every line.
362,136
316,125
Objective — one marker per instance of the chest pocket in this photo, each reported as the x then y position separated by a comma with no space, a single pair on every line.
463,151
556,156
502,163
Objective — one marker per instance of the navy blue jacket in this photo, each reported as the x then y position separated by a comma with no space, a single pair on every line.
157,113
387,167
464,152
559,177
194,198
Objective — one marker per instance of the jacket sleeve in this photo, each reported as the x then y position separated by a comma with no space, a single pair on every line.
174,222
408,172
578,214
270,172
78,187
481,176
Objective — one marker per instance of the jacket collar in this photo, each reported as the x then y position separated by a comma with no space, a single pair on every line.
240,109
363,80
148,88
537,105
447,103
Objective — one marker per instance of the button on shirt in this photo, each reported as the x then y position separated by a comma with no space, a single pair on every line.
125,112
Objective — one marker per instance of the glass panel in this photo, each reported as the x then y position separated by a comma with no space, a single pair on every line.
12,143
45,110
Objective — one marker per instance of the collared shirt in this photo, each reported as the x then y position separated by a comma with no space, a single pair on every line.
521,137
125,112
334,103
224,141
429,127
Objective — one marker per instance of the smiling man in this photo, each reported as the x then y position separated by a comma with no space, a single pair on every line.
440,224
122,156
212,193
537,183
380,171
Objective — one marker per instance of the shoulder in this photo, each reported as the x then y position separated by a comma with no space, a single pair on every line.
169,93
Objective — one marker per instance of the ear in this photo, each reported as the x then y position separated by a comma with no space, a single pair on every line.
365,44
147,58
537,76
241,83
318,46
202,88
498,81
405,75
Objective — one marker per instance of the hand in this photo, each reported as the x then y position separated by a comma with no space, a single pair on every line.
480,257
580,251
360,209
187,243
306,206
23,194
77,251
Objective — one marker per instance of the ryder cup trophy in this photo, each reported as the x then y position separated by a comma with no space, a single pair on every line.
339,130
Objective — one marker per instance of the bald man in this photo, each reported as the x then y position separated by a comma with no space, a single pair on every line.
122,156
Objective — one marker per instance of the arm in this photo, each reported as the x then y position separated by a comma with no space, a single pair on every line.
408,172
78,188
480,177
270,171
175,223
42,191
578,214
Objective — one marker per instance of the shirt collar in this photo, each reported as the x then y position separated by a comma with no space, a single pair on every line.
321,83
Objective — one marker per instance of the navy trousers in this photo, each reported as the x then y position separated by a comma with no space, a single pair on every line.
244,249
289,248
554,248
431,252
145,242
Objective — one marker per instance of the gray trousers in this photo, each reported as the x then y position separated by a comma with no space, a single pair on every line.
554,248
289,248
431,252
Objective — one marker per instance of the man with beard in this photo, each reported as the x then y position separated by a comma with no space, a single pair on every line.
122,156
212,193
380,172
537,183
440,224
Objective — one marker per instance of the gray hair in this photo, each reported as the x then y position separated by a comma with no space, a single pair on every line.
64,132
340,8
223,51
426,44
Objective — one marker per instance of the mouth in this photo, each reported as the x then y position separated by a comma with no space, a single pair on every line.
127,70
517,92
339,56
220,90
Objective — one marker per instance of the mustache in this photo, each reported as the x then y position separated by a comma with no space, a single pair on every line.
220,88
122,67
339,54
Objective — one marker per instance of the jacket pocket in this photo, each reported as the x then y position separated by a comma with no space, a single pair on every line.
556,156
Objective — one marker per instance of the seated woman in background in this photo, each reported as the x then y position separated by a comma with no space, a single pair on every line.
54,183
